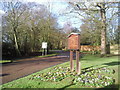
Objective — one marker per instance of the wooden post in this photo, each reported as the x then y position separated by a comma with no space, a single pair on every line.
77,62
46,51
71,61
43,52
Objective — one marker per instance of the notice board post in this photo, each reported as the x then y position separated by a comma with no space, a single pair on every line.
71,61
74,45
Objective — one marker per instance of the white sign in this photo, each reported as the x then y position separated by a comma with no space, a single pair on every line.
44,44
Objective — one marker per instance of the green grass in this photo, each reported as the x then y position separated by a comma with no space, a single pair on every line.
87,61
16,60
49,55
5,61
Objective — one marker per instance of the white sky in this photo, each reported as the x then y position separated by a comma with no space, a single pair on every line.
2,12
57,7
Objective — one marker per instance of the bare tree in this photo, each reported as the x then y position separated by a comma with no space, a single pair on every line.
14,11
93,7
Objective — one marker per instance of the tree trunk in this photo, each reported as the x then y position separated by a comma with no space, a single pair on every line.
16,45
108,48
103,31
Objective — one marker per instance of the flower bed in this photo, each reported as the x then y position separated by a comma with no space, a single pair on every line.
91,77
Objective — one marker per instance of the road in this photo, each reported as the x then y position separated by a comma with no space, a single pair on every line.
24,67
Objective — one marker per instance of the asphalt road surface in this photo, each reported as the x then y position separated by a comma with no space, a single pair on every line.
24,67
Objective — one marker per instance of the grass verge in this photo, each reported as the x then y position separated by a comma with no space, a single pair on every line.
87,61
49,55
16,60
5,61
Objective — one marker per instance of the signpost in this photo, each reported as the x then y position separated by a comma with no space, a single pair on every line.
74,45
44,46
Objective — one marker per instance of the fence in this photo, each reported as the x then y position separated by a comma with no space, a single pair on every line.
89,48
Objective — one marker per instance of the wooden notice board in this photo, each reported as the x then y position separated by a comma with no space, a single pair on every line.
74,41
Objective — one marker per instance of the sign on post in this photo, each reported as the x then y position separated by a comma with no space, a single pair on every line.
44,46
74,45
